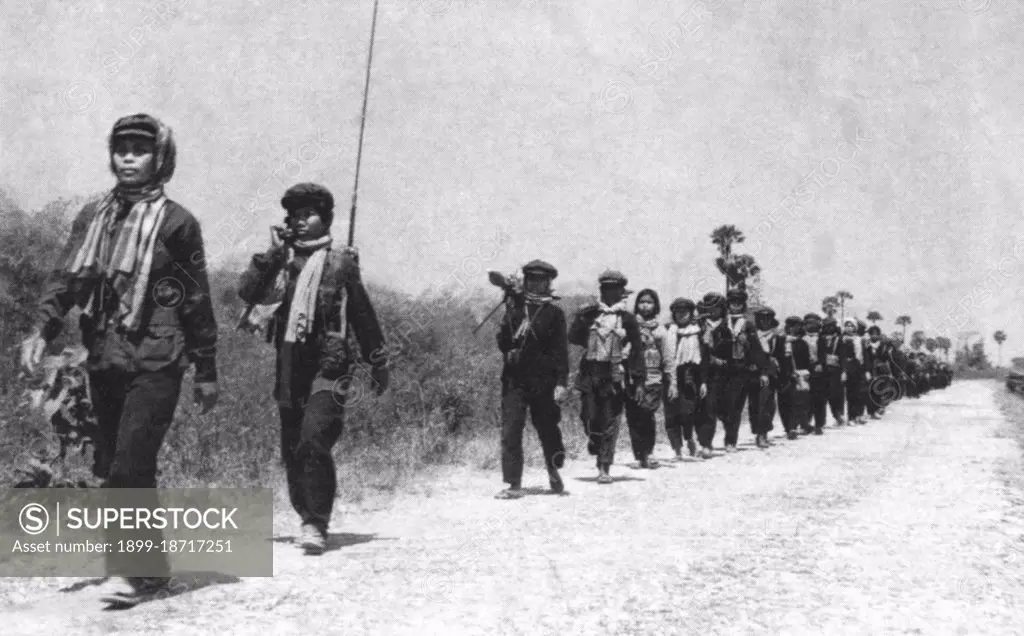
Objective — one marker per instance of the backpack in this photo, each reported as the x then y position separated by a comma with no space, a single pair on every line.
605,343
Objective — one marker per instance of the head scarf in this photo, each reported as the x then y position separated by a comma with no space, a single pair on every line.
124,259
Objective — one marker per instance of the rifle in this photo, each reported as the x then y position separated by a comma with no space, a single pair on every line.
512,288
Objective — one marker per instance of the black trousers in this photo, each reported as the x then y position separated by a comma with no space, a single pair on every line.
836,393
762,407
855,392
308,433
737,389
641,421
601,413
134,411
682,415
794,407
545,415
819,398
712,408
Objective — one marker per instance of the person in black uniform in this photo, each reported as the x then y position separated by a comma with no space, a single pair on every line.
832,357
715,351
793,356
878,359
604,329
818,378
745,366
765,382
532,338
853,366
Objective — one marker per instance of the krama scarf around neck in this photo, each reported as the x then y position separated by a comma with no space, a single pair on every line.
129,252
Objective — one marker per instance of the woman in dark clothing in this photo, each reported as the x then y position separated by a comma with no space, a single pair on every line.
313,293
134,264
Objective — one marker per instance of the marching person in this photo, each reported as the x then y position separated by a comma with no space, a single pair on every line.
901,365
818,380
604,329
642,402
794,360
313,291
765,382
716,350
135,265
744,366
832,357
685,387
535,376
855,371
878,359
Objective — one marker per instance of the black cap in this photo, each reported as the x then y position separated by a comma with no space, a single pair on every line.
304,194
612,277
736,296
682,304
137,125
764,311
538,267
812,316
794,321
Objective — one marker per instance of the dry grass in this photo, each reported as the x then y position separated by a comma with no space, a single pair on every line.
442,406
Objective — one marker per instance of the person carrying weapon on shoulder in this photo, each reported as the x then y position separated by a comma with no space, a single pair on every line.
322,324
535,374
603,329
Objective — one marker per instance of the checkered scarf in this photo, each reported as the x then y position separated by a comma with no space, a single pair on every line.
123,258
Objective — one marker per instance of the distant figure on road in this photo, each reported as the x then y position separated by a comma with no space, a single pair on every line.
794,359
818,378
832,358
535,376
854,369
882,385
764,382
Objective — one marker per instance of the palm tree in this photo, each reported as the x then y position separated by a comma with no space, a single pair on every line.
843,296
743,267
903,321
1000,338
916,340
724,237
829,305
874,316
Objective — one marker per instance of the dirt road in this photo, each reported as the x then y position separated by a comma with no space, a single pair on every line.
903,526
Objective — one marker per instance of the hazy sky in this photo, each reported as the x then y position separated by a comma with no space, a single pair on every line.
617,135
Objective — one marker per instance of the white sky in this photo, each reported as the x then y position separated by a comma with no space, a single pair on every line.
609,136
